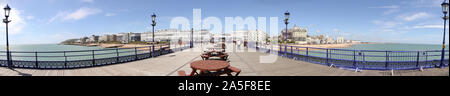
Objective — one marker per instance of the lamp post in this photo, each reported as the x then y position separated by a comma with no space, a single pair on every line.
257,39
445,11
286,21
192,38
153,31
8,54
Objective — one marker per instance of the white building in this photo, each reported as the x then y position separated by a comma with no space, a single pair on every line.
340,40
174,35
296,34
250,36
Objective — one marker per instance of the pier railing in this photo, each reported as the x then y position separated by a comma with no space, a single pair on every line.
85,58
361,59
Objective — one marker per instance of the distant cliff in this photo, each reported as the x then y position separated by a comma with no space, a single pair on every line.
69,42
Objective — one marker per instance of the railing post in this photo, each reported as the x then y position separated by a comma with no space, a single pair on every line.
36,58
327,58
418,58
160,49
387,60
285,50
153,50
117,55
292,52
65,60
354,59
364,57
93,57
279,51
307,53
426,56
135,53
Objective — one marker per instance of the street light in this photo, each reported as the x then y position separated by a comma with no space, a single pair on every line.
445,11
153,33
8,55
192,38
286,21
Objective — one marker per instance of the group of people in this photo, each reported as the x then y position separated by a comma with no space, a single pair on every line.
239,43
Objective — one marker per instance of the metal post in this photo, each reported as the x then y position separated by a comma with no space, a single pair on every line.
153,39
292,52
279,52
285,50
192,38
387,59
327,57
160,49
65,60
135,53
307,53
418,58
364,56
8,54
285,36
117,55
93,58
36,58
443,45
354,59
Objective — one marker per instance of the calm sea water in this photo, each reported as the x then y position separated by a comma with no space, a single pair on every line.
59,56
55,47
397,47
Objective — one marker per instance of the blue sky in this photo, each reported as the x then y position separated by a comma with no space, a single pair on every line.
398,21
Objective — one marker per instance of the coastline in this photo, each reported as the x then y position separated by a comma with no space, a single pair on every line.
347,45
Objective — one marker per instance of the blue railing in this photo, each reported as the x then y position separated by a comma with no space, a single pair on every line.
361,59
85,58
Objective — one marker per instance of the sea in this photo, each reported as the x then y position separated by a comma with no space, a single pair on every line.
45,51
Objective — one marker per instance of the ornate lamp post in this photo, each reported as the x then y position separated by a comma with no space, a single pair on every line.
192,38
257,39
8,54
153,33
286,21
445,11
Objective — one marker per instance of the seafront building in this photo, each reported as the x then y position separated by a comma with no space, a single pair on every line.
108,38
251,36
174,35
295,34
93,39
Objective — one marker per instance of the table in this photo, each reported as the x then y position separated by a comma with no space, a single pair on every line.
206,66
209,54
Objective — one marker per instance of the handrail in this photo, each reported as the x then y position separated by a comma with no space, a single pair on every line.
85,58
361,59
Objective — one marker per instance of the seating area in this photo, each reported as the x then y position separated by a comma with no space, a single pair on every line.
217,54
212,67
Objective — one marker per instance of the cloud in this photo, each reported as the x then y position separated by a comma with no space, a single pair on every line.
386,24
87,1
425,3
412,17
391,9
110,14
429,27
30,17
77,15
387,7
17,21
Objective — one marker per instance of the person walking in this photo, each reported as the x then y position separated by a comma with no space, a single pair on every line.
239,44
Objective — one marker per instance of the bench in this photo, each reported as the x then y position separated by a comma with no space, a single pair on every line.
182,73
235,70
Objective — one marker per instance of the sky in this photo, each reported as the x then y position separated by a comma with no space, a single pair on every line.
394,21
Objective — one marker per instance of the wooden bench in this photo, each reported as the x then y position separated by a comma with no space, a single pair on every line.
182,73
235,70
